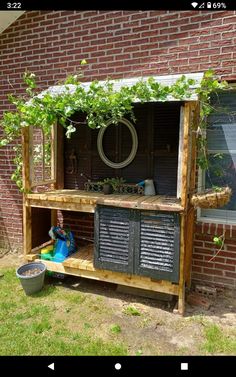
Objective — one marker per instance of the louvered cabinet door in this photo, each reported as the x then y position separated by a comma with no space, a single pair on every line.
114,239
157,251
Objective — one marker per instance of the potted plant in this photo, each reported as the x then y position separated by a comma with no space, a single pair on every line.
111,184
212,198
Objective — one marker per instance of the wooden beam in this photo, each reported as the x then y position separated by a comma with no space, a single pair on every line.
67,206
31,164
54,152
189,236
27,219
43,156
181,288
59,157
185,233
185,154
180,151
116,278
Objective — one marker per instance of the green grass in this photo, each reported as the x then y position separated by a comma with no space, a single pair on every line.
39,324
218,342
131,310
115,329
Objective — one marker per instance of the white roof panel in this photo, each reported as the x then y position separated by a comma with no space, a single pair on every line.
164,80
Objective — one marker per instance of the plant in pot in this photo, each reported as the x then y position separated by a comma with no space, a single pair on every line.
111,185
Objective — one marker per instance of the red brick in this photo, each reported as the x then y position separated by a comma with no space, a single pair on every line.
227,254
196,269
212,271
229,20
198,300
224,281
231,248
202,277
225,267
230,274
198,243
231,261
231,241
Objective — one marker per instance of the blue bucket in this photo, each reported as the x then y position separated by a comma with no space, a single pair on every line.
61,251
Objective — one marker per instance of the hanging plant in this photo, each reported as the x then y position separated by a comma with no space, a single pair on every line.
212,198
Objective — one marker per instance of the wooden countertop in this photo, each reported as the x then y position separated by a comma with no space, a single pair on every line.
86,201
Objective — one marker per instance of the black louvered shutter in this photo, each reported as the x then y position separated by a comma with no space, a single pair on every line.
114,245
157,252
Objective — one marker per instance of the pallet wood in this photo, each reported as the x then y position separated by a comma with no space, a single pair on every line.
189,229
185,154
181,288
81,264
59,150
185,173
80,200
27,219
179,172
54,153
115,277
82,259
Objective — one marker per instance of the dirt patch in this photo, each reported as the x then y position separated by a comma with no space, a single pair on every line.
10,259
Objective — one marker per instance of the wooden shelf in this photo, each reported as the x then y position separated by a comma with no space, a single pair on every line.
85,201
81,264
82,259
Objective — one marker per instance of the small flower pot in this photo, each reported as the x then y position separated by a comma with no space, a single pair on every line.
107,189
31,276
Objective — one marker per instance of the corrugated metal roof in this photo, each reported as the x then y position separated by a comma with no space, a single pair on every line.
164,80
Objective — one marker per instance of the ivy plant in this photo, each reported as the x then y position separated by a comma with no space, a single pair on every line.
100,103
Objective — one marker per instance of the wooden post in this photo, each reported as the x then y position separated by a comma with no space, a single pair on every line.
181,299
27,218
54,152
59,158
184,201
189,236
57,164
185,154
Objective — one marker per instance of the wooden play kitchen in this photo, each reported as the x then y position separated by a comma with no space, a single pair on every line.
142,241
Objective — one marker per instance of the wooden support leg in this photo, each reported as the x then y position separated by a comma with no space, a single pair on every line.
53,217
181,301
27,230
181,291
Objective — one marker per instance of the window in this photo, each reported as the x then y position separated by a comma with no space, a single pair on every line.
221,145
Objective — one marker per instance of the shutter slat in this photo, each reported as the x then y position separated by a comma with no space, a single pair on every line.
157,251
113,239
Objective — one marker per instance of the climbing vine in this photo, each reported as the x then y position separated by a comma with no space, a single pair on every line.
100,103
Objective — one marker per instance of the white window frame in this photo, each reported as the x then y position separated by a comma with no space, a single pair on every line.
228,216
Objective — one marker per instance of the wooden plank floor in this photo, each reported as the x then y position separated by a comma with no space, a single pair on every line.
82,259
81,264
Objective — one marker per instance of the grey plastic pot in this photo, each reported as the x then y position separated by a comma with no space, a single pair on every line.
34,283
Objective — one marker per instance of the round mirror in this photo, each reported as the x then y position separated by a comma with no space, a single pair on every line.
129,159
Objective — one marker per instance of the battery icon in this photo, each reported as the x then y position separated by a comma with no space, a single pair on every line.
208,5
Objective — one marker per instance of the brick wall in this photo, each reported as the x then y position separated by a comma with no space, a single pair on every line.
117,44
212,264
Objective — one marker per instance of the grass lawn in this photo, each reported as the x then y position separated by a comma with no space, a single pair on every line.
30,324
82,317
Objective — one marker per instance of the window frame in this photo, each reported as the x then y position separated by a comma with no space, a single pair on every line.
201,183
